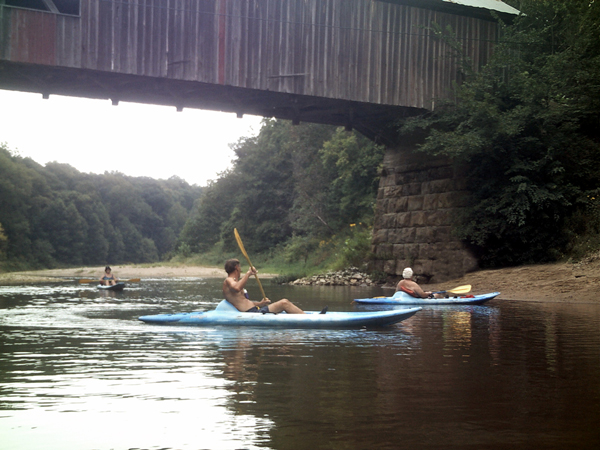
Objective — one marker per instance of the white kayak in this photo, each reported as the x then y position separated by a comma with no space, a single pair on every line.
227,314
402,298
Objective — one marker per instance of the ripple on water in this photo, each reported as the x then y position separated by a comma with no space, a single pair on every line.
77,363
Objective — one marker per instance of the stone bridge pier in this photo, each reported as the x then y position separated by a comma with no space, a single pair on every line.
417,203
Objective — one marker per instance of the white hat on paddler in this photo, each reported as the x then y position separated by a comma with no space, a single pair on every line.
407,273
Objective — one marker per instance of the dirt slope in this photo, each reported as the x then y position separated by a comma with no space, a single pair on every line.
560,282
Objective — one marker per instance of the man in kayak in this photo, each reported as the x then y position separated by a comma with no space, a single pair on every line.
108,279
412,288
233,290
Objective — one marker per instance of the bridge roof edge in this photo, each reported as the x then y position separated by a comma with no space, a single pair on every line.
476,8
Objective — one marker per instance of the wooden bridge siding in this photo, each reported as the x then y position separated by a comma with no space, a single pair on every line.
39,37
24,33
333,46
358,50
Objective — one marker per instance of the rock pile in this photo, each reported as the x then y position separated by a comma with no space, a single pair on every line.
347,277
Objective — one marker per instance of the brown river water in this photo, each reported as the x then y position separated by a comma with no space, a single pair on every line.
78,371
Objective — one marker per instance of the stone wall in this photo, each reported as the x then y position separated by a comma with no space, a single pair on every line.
417,202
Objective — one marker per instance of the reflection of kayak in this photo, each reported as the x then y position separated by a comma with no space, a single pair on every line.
115,287
402,298
226,314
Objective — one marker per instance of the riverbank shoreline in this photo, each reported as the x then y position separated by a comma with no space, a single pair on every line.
558,282
122,272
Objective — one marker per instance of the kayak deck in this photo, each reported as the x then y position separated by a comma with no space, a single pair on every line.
226,314
115,287
402,298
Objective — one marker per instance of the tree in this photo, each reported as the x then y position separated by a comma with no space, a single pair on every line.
3,240
527,124
99,229
65,230
290,186
262,178
203,229
313,211
17,187
357,163
54,214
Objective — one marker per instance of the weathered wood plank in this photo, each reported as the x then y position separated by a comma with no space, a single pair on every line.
32,37
359,50
68,37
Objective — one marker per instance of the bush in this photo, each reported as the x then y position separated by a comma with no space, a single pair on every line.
355,249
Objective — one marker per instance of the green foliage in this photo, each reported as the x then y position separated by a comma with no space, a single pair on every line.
184,250
300,248
357,163
203,229
584,228
356,247
527,125
3,241
55,215
311,213
291,189
336,175
265,194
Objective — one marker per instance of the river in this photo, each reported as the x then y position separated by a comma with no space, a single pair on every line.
78,371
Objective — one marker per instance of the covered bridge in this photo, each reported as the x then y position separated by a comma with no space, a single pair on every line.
355,63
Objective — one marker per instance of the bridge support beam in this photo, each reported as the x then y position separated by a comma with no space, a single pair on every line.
417,204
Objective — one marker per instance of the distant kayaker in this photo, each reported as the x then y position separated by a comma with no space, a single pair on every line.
108,278
233,290
412,288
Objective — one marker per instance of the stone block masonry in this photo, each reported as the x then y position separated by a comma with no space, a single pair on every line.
417,204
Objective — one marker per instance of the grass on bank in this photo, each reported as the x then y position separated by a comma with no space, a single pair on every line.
300,257
272,262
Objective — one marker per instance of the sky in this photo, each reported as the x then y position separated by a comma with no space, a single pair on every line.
132,138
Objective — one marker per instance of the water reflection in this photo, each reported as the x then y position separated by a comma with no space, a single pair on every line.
166,380
78,371
457,328
551,343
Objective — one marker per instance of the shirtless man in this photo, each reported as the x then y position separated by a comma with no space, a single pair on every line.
412,288
233,290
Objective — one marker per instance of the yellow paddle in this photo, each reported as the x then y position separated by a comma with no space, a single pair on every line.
457,290
241,245
132,280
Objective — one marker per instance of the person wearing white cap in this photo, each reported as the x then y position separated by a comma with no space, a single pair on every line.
411,287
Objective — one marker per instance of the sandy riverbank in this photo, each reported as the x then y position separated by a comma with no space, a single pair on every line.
561,282
122,272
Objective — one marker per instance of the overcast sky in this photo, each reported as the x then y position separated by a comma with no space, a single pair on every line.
131,138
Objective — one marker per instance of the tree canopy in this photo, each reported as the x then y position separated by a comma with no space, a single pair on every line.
54,215
288,184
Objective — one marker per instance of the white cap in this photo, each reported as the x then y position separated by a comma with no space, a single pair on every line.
408,273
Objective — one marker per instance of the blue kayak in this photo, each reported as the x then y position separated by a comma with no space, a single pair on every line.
402,298
227,314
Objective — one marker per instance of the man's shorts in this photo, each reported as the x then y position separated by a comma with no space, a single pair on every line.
256,309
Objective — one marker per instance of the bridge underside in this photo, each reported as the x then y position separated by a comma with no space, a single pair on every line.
375,121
